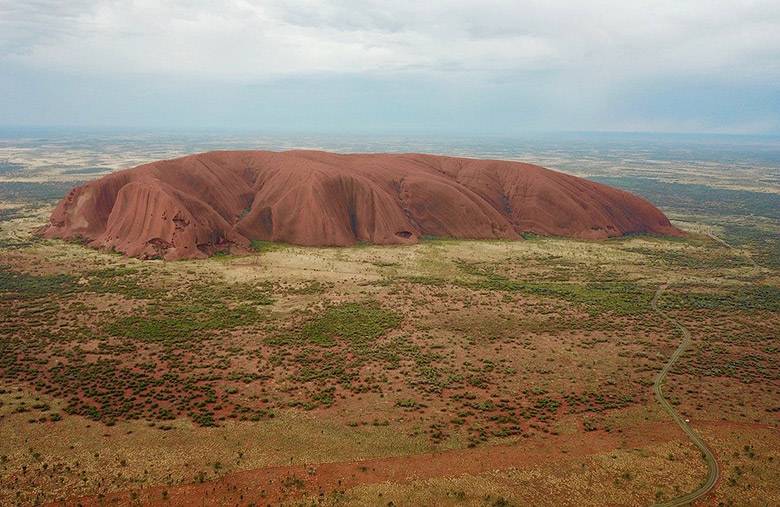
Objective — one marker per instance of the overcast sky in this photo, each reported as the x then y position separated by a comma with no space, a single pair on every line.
481,66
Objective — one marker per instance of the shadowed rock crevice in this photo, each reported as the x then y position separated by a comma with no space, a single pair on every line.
196,205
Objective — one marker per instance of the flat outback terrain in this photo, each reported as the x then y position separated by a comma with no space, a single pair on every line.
487,372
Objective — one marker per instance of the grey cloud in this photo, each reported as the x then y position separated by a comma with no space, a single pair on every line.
569,57
24,25
254,39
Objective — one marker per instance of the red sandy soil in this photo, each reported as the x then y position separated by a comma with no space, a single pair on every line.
193,206
269,486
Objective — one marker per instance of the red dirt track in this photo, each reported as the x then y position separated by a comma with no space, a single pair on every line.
272,485
193,206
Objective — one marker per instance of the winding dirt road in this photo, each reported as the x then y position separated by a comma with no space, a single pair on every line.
712,464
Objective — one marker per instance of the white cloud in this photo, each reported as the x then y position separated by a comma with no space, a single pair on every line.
598,40
499,65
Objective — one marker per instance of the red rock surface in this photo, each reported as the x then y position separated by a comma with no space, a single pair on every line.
193,206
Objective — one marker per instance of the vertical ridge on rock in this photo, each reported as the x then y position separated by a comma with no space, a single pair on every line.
196,205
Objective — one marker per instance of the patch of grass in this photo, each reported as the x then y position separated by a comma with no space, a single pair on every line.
189,315
27,286
407,403
357,323
125,281
747,298
693,259
308,288
425,280
619,297
765,242
261,245
182,323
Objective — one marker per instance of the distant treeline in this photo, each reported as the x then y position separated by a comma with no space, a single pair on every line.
698,198
31,192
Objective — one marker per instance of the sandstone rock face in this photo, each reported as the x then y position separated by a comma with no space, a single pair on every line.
191,207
